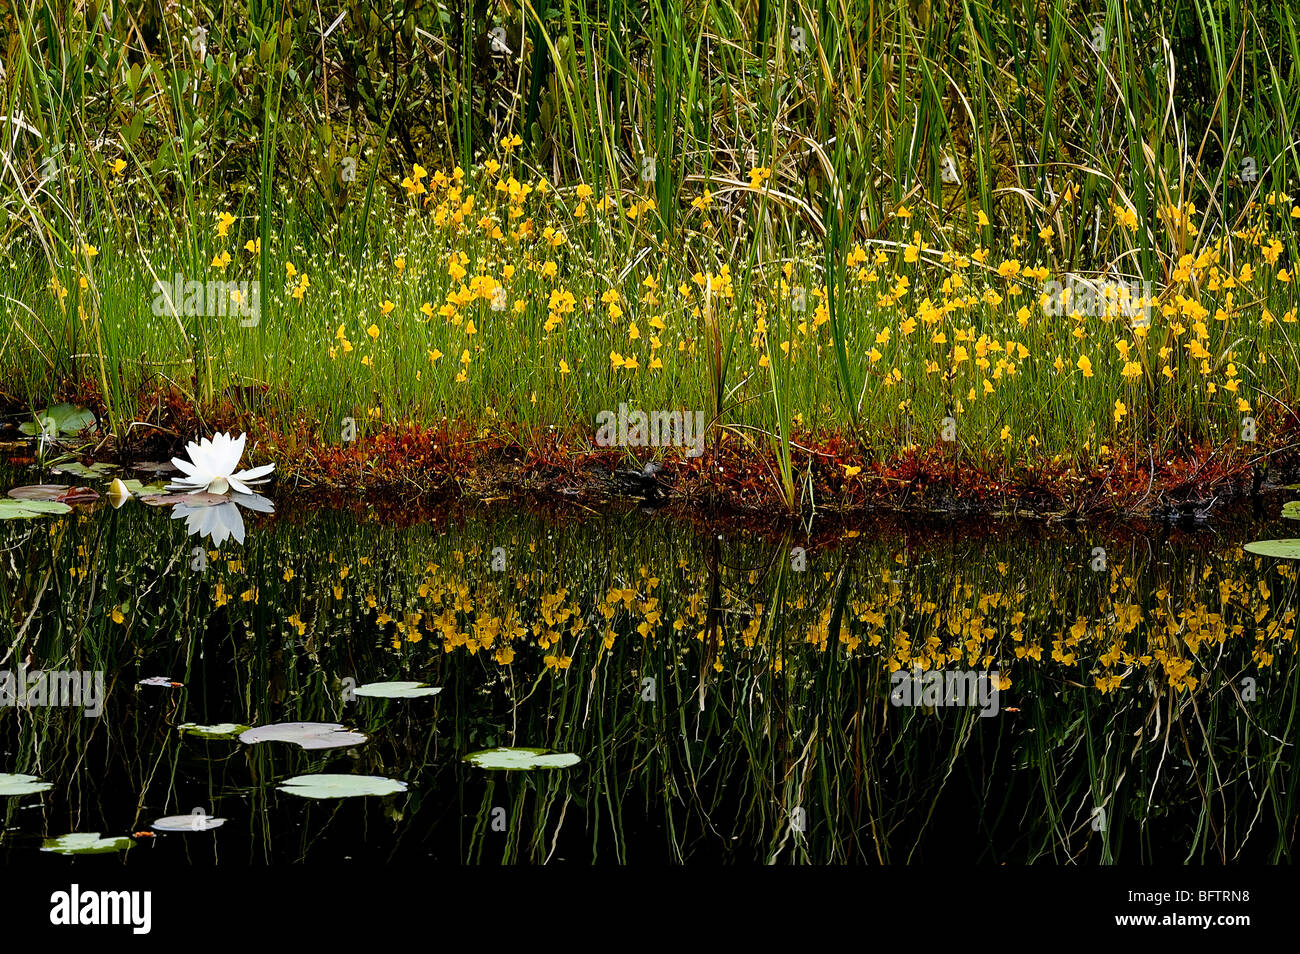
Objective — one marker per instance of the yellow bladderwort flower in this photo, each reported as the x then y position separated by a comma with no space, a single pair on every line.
851,471
434,355
224,222
1120,410
118,166
1085,365
564,366
385,309
373,331
221,260
253,246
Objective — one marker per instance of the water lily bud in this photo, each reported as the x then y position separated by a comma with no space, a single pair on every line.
117,493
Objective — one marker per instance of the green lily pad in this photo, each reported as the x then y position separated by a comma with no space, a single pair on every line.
325,785
22,785
77,469
1282,549
59,419
85,843
508,759
222,730
157,488
1291,510
61,493
11,509
396,690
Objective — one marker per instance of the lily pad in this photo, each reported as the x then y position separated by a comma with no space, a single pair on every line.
512,759
85,843
222,730
309,735
157,488
21,785
59,419
325,785
195,821
1282,549
78,495
396,690
26,509
200,499
1291,510
39,491
94,471
154,466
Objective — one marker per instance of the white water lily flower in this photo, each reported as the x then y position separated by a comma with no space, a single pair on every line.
222,521
211,467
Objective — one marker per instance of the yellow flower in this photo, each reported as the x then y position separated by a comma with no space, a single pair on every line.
564,366
851,471
224,222
373,331
385,308
1120,410
118,166
1085,365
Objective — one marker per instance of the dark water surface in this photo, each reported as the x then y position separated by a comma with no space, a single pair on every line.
728,693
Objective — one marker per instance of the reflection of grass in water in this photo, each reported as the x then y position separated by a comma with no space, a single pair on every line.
769,708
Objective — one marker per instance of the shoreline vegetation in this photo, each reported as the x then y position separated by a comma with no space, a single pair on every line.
1030,257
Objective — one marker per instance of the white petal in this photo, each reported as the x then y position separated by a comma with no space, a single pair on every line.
183,465
255,474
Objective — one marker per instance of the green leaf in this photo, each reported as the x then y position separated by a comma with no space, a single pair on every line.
78,469
512,759
59,419
222,730
1282,549
11,509
1291,510
396,690
12,785
325,785
85,843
